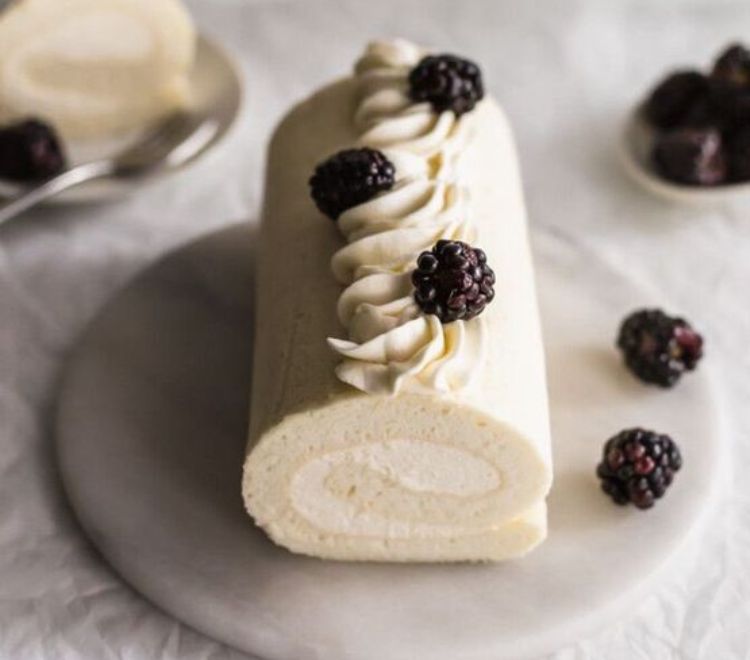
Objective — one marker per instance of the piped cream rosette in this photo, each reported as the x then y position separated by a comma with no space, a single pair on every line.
392,345
377,432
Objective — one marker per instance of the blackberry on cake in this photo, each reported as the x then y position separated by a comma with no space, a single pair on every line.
447,82
453,281
659,348
350,177
30,150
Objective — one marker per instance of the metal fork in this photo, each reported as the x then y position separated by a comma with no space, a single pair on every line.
171,143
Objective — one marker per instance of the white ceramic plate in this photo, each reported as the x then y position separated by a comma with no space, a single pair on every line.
217,91
151,436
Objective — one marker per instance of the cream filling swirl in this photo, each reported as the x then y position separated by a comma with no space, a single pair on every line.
391,344
352,491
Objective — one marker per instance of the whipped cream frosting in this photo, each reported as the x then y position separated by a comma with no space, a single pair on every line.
387,117
391,345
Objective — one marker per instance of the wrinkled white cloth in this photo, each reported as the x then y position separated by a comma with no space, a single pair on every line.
566,73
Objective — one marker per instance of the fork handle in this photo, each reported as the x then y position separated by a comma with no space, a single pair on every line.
51,187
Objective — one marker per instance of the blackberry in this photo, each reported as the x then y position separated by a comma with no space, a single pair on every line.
691,156
733,66
738,154
730,104
659,348
730,86
348,178
679,100
453,281
638,466
447,82
29,151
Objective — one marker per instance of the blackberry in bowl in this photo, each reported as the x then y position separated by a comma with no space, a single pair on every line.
730,87
658,348
733,66
676,99
738,154
638,466
691,129
30,150
453,281
691,156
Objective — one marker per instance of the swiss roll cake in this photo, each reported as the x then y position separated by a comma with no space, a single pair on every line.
399,405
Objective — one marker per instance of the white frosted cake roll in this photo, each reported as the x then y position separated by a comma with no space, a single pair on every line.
377,432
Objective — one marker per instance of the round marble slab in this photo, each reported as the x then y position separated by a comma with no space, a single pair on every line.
151,436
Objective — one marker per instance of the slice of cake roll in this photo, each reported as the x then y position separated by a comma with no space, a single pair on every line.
399,405
94,68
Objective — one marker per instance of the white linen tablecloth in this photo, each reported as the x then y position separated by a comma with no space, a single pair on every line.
566,72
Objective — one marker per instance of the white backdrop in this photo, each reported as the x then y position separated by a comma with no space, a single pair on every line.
566,72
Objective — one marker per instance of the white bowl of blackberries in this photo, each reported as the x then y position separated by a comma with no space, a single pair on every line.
690,138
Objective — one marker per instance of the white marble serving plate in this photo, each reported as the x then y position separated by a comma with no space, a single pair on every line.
216,87
635,149
151,436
